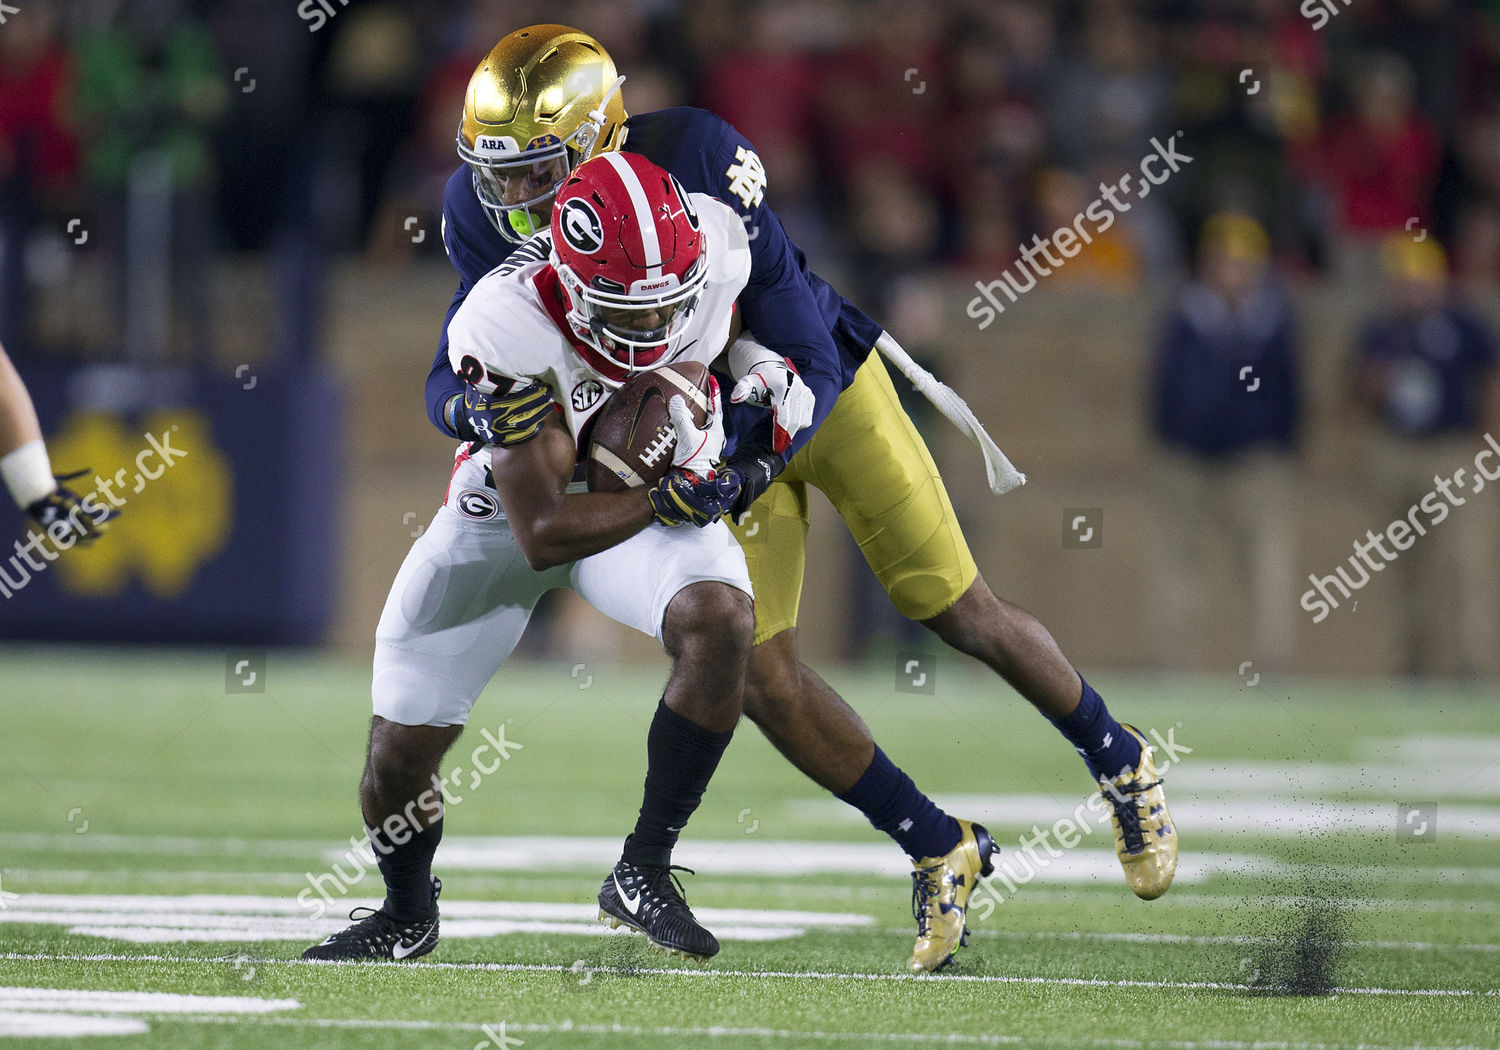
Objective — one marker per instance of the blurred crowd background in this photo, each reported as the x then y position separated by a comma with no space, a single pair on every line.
1337,229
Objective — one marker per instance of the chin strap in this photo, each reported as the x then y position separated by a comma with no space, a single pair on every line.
588,135
1003,475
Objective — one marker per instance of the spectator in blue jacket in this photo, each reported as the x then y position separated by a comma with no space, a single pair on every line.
1227,405
1424,369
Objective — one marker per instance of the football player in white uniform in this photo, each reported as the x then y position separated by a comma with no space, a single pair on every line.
636,273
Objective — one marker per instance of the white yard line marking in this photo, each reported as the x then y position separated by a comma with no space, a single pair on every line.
155,845
781,858
1273,817
1193,899
207,918
459,930
69,999
1448,778
1185,938
1091,864
19,1024
71,1013
138,906
724,1032
85,876
816,975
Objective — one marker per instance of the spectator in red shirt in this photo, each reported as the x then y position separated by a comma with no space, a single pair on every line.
37,153
36,143
1381,160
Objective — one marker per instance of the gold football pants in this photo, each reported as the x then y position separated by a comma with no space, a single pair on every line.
873,466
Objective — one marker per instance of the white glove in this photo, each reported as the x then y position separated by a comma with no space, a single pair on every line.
698,448
771,381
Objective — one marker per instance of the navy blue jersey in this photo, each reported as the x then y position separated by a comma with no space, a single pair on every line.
1438,361
1227,379
789,308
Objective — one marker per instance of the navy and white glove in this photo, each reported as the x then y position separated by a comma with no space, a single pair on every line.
685,498
771,381
66,506
500,419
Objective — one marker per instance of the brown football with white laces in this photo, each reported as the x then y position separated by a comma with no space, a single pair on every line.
632,439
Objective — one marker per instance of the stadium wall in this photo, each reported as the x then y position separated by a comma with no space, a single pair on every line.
1061,382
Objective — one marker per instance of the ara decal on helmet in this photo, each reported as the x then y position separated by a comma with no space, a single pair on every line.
581,227
500,145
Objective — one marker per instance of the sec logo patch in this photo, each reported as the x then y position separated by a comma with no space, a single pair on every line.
586,394
478,504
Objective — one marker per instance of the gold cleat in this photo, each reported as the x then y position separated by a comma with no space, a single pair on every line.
940,893
1145,837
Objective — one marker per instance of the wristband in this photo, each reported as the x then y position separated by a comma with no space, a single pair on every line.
756,471
746,355
457,423
28,473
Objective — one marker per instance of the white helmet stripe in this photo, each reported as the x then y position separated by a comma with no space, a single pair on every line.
643,217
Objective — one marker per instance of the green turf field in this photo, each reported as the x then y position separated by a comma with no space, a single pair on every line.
158,831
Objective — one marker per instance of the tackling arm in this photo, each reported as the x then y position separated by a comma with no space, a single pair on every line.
778,306
777,302
474,250
445,390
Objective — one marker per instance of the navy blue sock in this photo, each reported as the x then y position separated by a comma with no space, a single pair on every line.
889,799
407,870
1107,749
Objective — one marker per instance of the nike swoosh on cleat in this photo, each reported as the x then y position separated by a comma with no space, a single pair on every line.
631,903
401,951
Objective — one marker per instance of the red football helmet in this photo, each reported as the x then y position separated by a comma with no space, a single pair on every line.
630,257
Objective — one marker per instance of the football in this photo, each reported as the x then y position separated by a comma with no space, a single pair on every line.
632,440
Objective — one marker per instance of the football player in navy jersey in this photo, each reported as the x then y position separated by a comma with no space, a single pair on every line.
546,98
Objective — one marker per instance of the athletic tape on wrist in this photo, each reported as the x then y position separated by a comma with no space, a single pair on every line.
28,473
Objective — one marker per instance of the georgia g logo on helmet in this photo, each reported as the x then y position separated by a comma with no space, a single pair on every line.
581,227
630,259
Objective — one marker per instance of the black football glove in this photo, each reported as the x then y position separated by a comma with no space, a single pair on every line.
65,505
505,420
685,498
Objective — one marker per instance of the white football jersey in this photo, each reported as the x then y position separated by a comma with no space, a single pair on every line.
512,321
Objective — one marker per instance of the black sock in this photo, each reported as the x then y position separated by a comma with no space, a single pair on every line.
681,756
407,870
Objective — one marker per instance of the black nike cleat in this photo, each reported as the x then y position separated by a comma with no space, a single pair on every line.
377,937
649,901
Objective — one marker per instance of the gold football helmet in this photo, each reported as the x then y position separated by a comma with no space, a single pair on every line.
543,101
